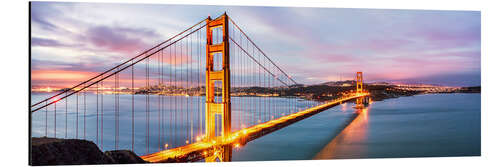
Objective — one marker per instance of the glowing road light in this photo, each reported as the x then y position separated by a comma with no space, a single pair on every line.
234,137
166,146
198,138
207,144
187,141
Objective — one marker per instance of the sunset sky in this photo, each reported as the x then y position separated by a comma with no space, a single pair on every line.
71,42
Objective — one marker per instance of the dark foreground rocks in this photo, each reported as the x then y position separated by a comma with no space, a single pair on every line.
124,157
53,151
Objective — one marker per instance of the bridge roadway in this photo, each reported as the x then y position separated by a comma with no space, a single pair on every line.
201,149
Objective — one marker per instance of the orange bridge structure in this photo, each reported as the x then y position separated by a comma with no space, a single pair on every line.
192,97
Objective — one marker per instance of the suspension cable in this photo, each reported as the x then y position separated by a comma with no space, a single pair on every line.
236,25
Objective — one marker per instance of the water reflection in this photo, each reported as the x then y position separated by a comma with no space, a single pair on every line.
416,126
172,124
344,107
343,146
348,143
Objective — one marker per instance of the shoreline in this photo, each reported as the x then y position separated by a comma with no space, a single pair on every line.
318,93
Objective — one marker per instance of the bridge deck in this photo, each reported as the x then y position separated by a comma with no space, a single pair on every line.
199,150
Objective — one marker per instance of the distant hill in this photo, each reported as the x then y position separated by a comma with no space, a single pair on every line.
338,83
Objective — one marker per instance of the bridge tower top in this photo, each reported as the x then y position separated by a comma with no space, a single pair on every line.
359,82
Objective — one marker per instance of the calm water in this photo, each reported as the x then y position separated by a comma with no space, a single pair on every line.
180,119
423,125
417,126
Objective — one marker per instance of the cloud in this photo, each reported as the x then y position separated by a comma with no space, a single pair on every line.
81,65
39,14
438,38
35,41
118,39
58,21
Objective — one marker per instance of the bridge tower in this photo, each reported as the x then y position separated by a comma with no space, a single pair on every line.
360,102
218,97
359,82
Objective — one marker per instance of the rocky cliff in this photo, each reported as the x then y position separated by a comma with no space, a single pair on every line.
53,151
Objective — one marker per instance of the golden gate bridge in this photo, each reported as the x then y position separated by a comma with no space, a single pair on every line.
201,93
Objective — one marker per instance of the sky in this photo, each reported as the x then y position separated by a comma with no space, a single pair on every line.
71,42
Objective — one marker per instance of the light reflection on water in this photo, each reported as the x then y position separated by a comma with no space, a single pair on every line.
423,125
416,126
181,122
345,145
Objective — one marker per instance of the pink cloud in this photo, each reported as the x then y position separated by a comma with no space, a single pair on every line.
114,40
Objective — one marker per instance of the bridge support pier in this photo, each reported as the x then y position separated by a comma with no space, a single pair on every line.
362,102
222,153
218,97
